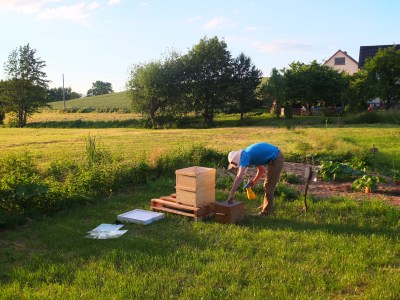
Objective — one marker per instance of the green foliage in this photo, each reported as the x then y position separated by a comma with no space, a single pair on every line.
286,193
2,116
208,77
25,192
224,182
336,171
100,88
314,84
291,178
366,181
188,156
390,117
22,189
60,93
25,92
383,75
245,80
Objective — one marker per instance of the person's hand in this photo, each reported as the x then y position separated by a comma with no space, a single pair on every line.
250,184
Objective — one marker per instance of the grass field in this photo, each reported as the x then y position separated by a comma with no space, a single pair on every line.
114,100
342,249
51,144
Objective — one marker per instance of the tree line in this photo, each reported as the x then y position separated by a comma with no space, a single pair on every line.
208,80
204,81
316,85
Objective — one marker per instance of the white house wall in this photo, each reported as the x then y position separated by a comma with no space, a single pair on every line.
350,65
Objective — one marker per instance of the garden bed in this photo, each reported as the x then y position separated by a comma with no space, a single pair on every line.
386,191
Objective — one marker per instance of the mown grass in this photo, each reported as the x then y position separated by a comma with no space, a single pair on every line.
114,100
342,249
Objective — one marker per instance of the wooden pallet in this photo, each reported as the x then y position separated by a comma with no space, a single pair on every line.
170,204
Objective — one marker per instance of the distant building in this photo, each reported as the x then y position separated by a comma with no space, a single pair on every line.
342,62
370,51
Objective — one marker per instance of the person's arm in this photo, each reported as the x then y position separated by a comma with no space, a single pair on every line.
260,172
236,183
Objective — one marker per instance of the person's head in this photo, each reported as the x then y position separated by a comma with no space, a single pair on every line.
234,159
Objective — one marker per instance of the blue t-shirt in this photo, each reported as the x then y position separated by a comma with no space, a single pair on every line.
258,154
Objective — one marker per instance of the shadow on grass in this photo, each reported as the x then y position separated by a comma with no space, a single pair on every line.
301,226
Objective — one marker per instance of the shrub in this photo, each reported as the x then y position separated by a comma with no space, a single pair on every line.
24,192
286,193
336,171
2,116
366,181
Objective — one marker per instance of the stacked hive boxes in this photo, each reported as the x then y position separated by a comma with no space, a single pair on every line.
195,186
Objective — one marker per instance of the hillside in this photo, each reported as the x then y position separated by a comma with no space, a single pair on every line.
114,100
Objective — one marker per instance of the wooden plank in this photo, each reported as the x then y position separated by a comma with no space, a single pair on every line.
174,205
167,204
174,211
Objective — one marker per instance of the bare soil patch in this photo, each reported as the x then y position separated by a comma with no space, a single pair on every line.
388,192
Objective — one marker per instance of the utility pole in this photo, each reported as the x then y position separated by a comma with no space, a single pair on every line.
63,90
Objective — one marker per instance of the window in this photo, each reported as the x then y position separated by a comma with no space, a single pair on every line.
340,61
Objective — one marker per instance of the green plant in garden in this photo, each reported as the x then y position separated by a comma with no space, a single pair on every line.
366,181
286,177
336,171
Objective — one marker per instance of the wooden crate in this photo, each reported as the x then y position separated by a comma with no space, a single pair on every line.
228,213
195,177
169,204
195,197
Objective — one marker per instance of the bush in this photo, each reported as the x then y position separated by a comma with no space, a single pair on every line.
336,171
25,192
2,116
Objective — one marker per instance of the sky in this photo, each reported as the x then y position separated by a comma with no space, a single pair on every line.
85,41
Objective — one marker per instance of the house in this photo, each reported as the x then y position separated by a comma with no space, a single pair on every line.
341,61
370,51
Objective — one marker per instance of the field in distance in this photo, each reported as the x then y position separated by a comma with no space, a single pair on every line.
114,100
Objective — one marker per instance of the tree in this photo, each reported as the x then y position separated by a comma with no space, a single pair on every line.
384,76
244,82
25,90
144,89
273,92
56,94
208,72
314,84
156,88
100,88
358,92
2,104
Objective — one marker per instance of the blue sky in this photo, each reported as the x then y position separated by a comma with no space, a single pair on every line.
101,39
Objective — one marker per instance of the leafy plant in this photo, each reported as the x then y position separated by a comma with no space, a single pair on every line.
366,181
336,171
289,178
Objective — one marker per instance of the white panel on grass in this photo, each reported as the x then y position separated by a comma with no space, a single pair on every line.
106,231
140,216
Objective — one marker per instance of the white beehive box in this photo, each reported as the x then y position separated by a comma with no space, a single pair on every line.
195,186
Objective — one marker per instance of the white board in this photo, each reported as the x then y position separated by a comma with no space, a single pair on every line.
106,231
140,216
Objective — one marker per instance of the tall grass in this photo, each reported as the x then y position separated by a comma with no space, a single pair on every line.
26,192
